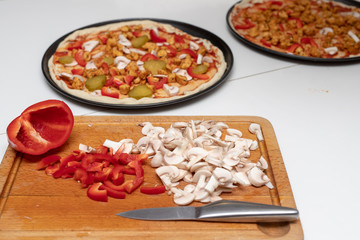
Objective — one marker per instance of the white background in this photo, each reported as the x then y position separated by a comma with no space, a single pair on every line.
314,108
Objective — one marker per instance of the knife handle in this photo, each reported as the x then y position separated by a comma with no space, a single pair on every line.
237,211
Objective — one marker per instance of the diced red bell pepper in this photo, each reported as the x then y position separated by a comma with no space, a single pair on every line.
138,157
95,192
281,27
159,84
172,51
153,190
109,82
113,193
278,3
102,175
77,71
109,92
308,40
64,161
139,171
51,169
178,39
64,172
83,177
79,58
148,56
105,67
128,79
136,34
246,25
75,45
61,54
299,23
48,160
198,76
95,167
120,188
265,43
293,47
117,175
156,38
131,186
103,39
74,164
122,157
189,51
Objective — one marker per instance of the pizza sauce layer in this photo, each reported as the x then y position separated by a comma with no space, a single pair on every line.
142,59
311,28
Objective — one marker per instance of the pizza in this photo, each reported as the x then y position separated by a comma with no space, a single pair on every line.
310,28
135,62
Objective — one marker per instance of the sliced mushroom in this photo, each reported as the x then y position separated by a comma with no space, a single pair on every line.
257,177
256,129
194,155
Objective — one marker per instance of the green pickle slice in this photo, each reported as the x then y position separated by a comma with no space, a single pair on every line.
95,83
108,60
154,66
66,59
200,69
139,41
140,91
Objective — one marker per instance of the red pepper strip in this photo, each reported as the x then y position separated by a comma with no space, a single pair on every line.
109,81
265,43
120,188
139,171
61,54
103,39
117,175
299,23
190,52
129,171
153,190
278,3
178,39
172,51
105,67
95,167
293,47
107,91
113,193
64,161
64,172
199,76
247,25
75,45
73,164
94,192
48,160
133,185
138,157
79,58
148,56
128,79
86,160
308,40
159,84
83,177
77,71
103,175
113,72
136,34
156,38
281,27
49,170
122,157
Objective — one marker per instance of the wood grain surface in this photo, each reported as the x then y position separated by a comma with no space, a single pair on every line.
36,206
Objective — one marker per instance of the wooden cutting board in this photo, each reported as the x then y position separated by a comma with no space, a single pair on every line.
36,206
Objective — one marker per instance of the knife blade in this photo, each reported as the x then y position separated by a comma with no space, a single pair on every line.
221,211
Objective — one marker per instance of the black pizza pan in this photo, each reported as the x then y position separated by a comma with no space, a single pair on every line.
188,28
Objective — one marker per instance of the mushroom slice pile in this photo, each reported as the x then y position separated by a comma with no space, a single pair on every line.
208,155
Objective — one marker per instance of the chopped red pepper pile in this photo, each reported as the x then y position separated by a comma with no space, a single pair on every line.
101,171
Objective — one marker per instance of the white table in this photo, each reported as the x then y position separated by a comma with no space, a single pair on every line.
314,108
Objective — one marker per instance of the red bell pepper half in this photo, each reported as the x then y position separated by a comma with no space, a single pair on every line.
156,38
198,76
153,190
95,192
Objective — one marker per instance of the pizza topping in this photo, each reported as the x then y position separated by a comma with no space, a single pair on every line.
90,45
287,25
134,55
331,50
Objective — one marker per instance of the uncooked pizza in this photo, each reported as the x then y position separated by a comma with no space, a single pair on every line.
310,28
135,62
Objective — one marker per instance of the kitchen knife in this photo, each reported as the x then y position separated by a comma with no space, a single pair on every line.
221,211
